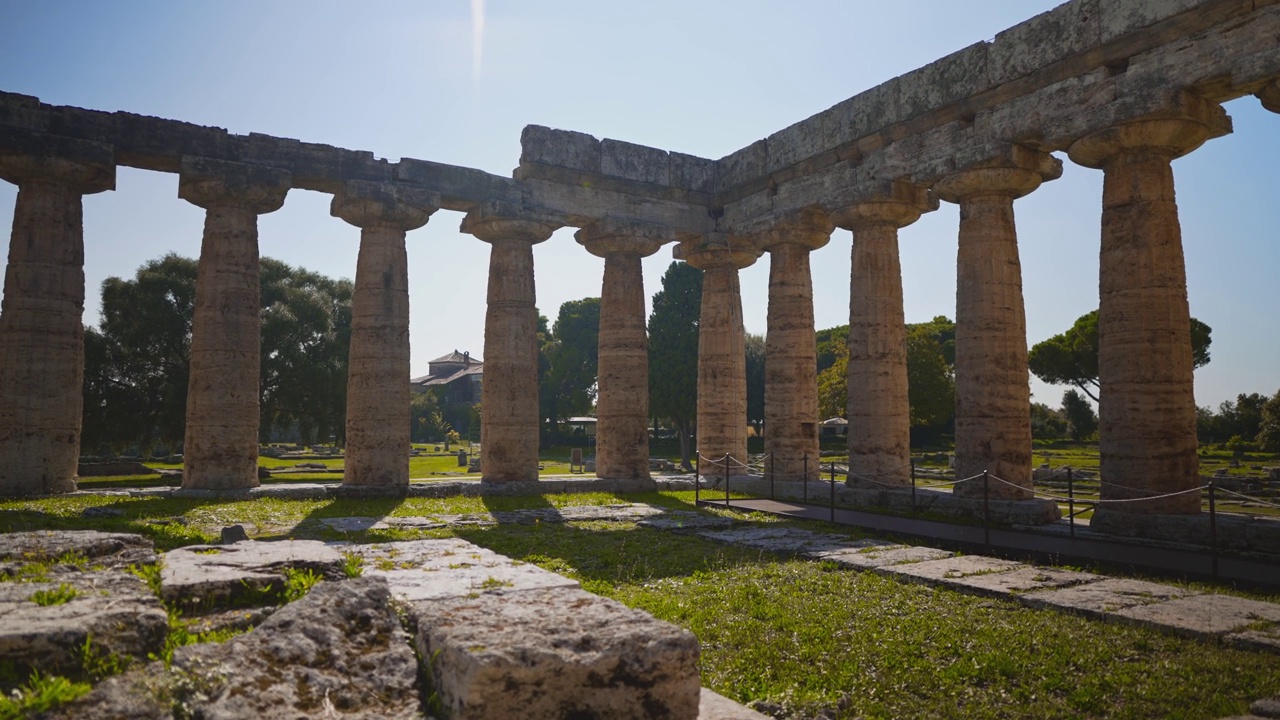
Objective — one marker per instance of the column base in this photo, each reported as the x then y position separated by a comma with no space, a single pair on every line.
1234,532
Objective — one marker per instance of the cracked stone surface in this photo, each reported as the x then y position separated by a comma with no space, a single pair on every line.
1206,615
882,555
114,609
111,550
714,706
338,652
782,540
947,570
640,513
556,653
1108,596
449,567
209,575
1267,638
1022,580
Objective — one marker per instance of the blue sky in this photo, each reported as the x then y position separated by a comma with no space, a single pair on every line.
401,79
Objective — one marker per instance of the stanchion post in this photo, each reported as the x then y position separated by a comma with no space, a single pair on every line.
697,479
1071,502
986,506
913,487
833,490
726,479
772,472
1213,527
805,480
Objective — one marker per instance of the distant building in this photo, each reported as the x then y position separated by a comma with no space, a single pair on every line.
456,378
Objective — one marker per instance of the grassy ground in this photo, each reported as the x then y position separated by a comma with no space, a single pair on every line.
804,635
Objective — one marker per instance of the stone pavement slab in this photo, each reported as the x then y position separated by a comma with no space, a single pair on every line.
1267,638
1203,615
714,706
879,556
214,575
106,549
555,653
450,568
946,570
1101,598
1025,579
782,540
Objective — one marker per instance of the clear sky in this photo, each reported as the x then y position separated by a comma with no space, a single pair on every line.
424,79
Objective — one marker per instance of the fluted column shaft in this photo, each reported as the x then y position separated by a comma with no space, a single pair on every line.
41,335
622,402
509,396
1147,413
220,449
879,408
377,425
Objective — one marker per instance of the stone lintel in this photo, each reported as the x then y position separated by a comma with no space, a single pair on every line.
887,202
1015,173
1270,97
379,204
607,236
1181,122
86,166
459,188
717,249
808,227
208,183
495,220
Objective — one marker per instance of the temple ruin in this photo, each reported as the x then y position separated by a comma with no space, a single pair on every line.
1122,86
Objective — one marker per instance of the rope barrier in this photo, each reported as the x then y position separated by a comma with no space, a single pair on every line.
1101,501
1249,498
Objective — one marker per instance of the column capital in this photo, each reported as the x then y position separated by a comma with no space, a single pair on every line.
607,236
1270,96
808,227
1016,172
495,220
367,204
892,202
718,250
86,167
209,183
1186,124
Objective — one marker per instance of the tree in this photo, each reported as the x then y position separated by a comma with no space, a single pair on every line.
755,347
673,353
1072,357
833,381
931,383
136,360
1047,423
1269,434
573,357
1082,422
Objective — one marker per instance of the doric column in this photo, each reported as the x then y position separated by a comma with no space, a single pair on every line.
509,395
790,370
879,410
220,450
41,335
993,396
377,450
722,353
1147,413
622,395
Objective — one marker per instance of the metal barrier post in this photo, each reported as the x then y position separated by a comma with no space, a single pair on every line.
726,479
1213,527
697,479
1071,502
805,482
913,487
833,490
772,471
986,507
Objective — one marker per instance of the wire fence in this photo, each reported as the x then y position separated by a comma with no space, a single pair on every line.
891,478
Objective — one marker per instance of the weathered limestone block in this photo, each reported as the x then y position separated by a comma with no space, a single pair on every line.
207,576
713,706
509,425
1147,417
451,568
338,652
41,335
1203,615
879,411
67,547
377,427
722,358
503,655
1270,97
1099,599
791,382
993,398
220,449
113,610
622,399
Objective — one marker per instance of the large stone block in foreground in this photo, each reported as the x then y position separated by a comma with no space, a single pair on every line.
556,653
206,576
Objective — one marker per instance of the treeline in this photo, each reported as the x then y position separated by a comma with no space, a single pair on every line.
1250,423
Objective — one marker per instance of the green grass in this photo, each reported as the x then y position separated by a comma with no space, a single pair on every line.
810,636
40,693
60,595
298,582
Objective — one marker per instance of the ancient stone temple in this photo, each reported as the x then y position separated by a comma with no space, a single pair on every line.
1122,86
